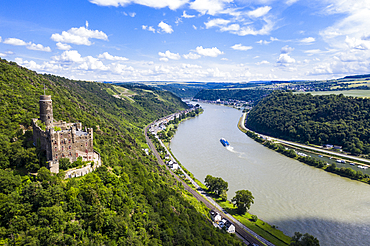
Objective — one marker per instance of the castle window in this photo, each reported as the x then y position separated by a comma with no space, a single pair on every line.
86,151
70,154
70,147
62,155
56,156
69,140
62,148
76,154
55,148
86,144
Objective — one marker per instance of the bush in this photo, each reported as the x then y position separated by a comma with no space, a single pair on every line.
254,218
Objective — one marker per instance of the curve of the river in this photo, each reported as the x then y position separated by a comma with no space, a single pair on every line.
288,194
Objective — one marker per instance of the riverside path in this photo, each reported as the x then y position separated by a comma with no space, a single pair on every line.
249,237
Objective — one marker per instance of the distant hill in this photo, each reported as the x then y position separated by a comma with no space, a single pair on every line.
129,201
253,95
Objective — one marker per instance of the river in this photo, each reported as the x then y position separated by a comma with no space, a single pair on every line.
288,194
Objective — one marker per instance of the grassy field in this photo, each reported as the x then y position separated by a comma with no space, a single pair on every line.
353,93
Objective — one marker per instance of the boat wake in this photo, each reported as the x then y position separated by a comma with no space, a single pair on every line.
240,154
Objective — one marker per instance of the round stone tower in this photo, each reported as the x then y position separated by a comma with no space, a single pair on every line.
46,110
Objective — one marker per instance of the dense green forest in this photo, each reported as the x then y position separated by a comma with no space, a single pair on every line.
129,201
253,95
330,119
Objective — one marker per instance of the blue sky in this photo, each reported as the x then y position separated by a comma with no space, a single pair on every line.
188,40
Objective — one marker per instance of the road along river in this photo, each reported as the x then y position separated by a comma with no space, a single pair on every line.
288,194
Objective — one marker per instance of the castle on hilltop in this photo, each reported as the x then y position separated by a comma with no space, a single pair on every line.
63,140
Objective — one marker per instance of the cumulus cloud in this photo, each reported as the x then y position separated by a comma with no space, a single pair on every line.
172,4
241,47
15,41
80,36
192,56
168,55
62,46
185,15
357,43
1,39
110,57
212,52
149,28
69,56
308,40
29,45
286,49
285,59
259,12
165,27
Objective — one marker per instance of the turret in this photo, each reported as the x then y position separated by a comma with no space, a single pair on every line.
46,110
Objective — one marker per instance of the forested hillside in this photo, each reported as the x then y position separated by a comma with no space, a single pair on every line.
128,201
331,119
253,95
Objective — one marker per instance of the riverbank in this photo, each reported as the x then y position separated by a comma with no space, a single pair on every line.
277,145
272,235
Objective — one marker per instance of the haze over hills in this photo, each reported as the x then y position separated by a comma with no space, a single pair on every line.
129,201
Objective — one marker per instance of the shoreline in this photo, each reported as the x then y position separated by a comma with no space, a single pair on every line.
272,142
267,230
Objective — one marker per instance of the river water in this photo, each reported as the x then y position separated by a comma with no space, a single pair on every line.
288,194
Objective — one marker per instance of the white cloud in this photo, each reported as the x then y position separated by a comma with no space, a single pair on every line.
224,59
231,28
195,28
250,30
190,66
262,62
286,49
165,27
2,54
15,41
285,59
308,40
184,15
241,47
1,39
29,45
91,63
211,7
356,43
108,56
61,46
172,4
39,47
212,52
216,23
290,2
259,12
133,14
169,55
149,28
69,56
80,36
192,56
263,42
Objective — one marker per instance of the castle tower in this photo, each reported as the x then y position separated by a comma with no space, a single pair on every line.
46,110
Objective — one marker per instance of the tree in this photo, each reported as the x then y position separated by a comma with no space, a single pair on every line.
243,200
216,185
304,240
